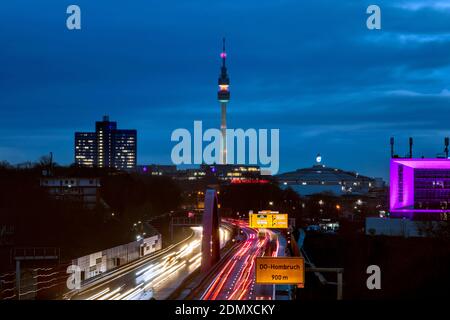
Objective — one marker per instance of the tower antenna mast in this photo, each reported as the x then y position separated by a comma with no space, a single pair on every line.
223,95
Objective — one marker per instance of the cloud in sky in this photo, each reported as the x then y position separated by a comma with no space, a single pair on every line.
312,69
407,93
420,5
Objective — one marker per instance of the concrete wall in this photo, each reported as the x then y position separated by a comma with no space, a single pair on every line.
152,244
99,262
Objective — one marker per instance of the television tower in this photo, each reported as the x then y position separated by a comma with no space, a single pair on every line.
224,96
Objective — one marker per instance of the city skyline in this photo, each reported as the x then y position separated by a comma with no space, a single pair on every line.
154,68
266,155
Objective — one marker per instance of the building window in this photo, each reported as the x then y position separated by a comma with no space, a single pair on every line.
400,183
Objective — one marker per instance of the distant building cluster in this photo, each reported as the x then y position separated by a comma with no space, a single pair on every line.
322,179
107,147
157,170
224,173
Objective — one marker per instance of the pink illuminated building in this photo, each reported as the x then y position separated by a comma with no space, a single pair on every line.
419,186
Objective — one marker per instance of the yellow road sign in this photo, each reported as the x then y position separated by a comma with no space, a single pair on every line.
268,220
280,270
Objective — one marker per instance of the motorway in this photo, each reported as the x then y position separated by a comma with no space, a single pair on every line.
153,277
235,280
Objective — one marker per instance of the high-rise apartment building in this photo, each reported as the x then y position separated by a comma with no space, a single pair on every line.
107,147
85,149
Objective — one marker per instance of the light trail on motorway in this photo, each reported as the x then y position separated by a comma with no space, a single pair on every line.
236,279
156,278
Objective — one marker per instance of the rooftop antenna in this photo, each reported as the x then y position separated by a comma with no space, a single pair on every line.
410,147
392,147
223,55
446,142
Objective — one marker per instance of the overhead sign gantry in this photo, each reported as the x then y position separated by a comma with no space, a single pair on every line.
269,220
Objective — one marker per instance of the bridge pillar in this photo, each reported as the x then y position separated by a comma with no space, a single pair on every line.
211,235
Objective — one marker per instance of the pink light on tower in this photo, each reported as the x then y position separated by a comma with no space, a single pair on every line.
223,55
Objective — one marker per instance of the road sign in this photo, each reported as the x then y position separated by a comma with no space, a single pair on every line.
280,270
268,219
